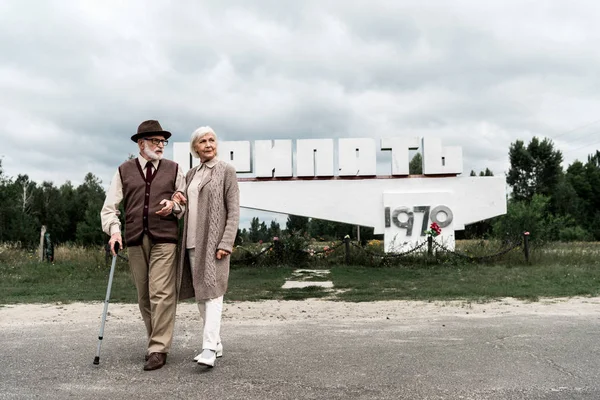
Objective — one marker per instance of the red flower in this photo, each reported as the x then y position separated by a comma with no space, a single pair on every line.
434,229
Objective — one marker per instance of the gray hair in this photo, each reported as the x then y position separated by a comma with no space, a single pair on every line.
199,134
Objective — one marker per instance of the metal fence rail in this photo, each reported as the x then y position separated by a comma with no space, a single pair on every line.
429,244
281,253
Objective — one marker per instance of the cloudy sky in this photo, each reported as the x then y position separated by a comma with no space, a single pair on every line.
77,77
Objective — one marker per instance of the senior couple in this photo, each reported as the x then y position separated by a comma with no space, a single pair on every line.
156,195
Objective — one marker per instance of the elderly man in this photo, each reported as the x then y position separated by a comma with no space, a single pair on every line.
146,184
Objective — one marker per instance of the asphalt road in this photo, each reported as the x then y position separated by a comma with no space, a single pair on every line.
446,357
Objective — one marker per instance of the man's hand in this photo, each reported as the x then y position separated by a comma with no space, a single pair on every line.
179,198
221,254
167,208
115,238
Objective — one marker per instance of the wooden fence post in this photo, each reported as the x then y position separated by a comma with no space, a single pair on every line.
41,250
347,246
526,246
429,245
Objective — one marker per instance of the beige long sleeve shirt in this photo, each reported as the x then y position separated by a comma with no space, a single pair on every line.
192,197
109,214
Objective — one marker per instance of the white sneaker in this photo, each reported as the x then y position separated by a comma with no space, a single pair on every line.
218,352
208,358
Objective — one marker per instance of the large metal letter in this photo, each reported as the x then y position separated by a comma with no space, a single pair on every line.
273,158
438,160
183,157
236,153
357,157
314,157
400,148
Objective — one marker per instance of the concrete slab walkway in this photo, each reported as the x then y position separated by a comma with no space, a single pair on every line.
303,278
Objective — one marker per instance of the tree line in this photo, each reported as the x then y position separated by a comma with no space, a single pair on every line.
309,227
549,202
72,214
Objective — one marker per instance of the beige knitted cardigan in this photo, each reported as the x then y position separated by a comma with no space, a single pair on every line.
217,223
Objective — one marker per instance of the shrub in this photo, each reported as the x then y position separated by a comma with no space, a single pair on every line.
574,234
533,217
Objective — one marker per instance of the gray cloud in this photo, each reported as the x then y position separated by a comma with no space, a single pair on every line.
77,78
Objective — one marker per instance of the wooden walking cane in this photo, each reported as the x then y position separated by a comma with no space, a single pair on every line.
110,279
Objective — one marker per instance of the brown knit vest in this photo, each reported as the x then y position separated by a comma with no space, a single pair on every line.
141,200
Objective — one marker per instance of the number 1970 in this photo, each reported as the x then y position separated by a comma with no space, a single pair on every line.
392,217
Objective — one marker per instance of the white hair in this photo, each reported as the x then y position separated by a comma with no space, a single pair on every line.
199,134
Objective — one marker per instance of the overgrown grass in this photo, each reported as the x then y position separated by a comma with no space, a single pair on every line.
256,283
80,275
558,270
476,282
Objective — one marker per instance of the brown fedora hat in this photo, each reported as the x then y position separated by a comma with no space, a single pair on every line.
150,128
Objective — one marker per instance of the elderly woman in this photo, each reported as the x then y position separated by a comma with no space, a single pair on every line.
210,227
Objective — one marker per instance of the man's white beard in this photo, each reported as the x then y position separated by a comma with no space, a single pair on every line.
151,155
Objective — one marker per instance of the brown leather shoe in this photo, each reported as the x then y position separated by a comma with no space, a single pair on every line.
155,361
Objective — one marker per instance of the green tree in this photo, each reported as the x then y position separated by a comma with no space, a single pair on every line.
6,204
23,225
592,169
254,231
52,211
584,204
415,167
533,217
487,172
535,169
274,230
319,229
263,232
242,237
331,230
565,200
91,197
69,199
297,224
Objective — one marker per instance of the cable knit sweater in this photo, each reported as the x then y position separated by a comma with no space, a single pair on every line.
216,227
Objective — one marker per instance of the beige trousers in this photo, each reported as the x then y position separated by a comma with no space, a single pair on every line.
210,314
153,267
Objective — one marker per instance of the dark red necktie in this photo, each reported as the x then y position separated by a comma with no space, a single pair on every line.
148,171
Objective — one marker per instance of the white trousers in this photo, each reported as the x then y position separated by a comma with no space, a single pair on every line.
210,313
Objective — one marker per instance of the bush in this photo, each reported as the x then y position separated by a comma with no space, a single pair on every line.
533,217
574,234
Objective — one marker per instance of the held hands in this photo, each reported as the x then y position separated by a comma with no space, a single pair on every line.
115,238
221,254
179,198
167,208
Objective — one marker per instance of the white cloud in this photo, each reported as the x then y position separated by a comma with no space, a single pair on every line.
78,77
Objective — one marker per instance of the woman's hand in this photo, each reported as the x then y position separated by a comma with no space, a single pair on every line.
179,198
221,254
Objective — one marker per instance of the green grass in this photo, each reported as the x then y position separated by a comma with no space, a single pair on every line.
68,281
560,270
264,283
477,282
256,283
